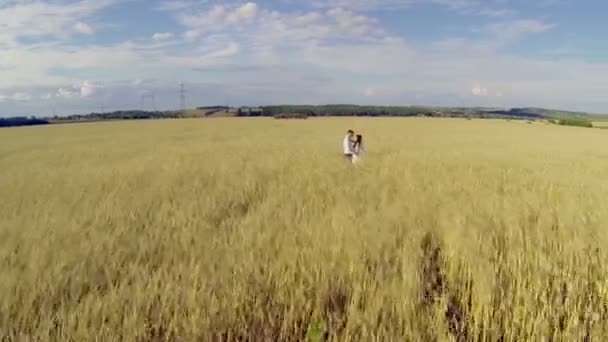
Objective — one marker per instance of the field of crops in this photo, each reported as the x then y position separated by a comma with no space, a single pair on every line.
257,229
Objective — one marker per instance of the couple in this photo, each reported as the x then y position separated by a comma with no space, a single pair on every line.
353,146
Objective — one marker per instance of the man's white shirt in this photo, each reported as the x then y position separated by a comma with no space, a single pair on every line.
347,144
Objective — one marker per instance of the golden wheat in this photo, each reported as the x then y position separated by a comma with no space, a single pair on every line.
257,229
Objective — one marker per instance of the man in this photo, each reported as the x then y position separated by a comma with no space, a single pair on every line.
348,145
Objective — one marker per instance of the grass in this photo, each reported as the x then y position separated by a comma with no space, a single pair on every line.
256,229
287,116
201,113
600,124
578,122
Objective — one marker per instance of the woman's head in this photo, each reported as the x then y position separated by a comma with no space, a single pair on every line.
359,139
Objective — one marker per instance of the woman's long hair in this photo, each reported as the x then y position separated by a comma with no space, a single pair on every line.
359,141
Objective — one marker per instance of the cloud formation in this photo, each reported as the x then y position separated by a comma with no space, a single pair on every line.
218,18
392,4
17,97
162,36
67,53
23,19
83,28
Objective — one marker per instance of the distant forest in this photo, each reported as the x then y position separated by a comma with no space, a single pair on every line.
121,115
290,111
22,121
398,111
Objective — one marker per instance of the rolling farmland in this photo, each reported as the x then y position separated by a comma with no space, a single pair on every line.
257,229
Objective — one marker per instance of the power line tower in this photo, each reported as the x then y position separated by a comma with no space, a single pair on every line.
182,96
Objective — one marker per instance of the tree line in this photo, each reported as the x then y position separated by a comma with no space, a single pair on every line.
346,110
122,115
22,121
300,111
117,115
398,111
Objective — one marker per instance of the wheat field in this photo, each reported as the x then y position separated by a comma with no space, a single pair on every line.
258,230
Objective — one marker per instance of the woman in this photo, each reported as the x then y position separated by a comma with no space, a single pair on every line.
358,149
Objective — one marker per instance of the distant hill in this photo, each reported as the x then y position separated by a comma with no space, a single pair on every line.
143,115
528,113
22,121
212,111
561,114
477,112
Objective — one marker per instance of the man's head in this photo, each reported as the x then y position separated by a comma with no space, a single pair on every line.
350,133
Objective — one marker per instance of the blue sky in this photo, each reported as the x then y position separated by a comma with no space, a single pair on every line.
78,56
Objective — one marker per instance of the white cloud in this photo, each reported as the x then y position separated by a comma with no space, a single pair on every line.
84,89
479,91
47,19
275,33
214,53
33,66
20,96
491,9
369,92
87,89
493,37
230,50
264,26
176,5
162,36
192,34
266,30
385,56
514,29
350,23
83,28
245,12
393,4
496,13
66,93
17,97
220,16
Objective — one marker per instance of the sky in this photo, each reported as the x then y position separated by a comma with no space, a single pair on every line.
60,57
